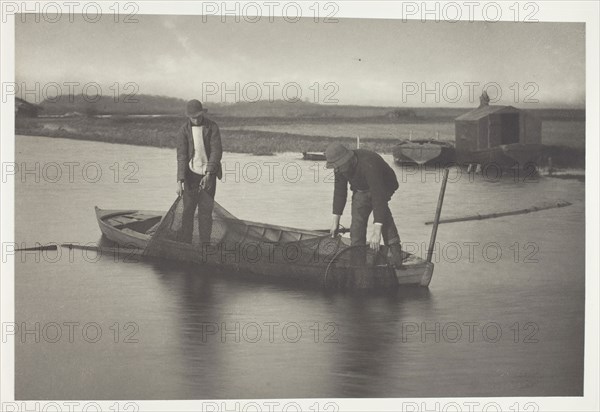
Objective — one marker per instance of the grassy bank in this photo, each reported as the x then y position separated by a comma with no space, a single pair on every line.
161,131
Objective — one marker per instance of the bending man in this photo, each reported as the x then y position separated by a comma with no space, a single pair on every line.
373,182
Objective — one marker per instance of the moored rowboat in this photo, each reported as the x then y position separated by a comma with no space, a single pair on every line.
318,156
424,152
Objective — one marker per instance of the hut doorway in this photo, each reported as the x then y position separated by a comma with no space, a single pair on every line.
510,128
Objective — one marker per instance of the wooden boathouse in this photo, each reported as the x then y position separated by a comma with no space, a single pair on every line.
497,133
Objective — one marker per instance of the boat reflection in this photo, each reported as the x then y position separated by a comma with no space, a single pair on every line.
237,334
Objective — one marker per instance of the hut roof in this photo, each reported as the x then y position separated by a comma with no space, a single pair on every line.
484,111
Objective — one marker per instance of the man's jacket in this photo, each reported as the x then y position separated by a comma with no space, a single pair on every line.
370,173
212,144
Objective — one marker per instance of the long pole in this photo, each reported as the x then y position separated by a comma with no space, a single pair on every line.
532,209
438,212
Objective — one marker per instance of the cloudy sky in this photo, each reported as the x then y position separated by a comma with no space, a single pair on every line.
356,61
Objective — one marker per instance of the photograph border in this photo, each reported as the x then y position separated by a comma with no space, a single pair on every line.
549,11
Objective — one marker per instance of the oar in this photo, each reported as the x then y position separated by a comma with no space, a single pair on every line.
41,247
438,212
105,249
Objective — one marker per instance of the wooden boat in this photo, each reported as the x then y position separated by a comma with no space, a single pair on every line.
318,156
424,152
132,230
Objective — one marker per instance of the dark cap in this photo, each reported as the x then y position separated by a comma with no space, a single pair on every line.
194,108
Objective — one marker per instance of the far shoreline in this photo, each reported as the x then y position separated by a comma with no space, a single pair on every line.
161,132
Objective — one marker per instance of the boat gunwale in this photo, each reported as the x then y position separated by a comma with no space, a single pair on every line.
414,259
416,267
103,214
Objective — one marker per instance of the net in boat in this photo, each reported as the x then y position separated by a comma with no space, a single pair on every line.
206,232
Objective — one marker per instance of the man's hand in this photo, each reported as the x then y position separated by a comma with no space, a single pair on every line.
376,237
207,182
335,226
179,190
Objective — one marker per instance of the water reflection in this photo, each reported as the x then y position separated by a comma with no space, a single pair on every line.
370,338
351,335
194,309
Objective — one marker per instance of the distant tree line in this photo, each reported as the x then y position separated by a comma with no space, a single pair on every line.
79,105
161,105
103,105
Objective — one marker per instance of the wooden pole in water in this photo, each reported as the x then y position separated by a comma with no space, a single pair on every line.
535,208
438,212
357,141
39,247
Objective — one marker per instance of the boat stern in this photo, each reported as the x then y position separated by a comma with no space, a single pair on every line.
427,274
415,273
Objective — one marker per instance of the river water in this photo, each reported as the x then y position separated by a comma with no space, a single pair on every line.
503,316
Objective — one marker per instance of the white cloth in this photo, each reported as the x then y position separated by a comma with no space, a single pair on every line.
199,162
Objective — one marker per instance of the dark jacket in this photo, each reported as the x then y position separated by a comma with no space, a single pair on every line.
371,173
212,144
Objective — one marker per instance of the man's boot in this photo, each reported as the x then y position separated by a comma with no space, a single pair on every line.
396,252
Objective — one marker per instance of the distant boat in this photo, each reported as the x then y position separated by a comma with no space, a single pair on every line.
313,156
424,152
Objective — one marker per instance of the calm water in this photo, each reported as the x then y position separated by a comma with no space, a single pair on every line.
489,325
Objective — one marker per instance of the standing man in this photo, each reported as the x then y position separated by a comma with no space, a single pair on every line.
199,155
373,182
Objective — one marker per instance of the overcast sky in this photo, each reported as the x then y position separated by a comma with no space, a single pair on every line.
367,62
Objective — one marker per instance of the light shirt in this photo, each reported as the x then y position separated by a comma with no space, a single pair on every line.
199,162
